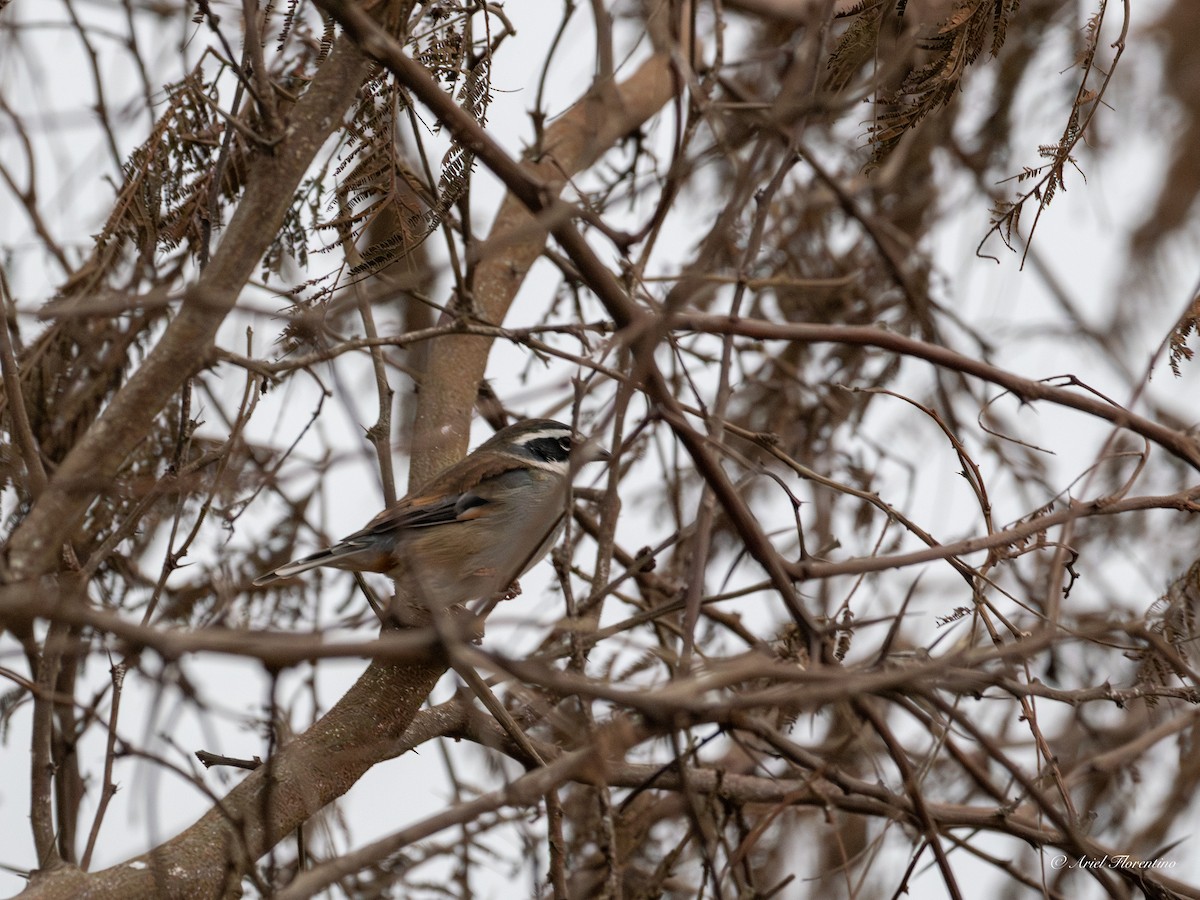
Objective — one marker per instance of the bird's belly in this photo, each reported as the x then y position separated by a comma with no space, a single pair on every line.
467,561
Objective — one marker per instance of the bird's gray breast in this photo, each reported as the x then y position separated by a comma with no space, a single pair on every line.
523,515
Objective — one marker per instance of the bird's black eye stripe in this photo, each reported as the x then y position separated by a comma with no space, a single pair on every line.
550,449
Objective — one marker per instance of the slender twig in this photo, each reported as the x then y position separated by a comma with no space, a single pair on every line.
16,398
108,788
264,95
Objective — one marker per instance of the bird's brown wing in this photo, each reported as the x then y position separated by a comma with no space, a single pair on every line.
432,507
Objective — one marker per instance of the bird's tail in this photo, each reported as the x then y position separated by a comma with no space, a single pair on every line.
338,556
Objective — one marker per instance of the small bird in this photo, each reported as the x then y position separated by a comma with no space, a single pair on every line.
474,528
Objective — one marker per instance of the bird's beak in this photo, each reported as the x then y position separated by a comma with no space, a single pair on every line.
590,451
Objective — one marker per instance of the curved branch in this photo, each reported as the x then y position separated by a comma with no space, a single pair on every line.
1174,442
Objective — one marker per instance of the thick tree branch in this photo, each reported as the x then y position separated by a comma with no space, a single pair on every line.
98,456
210,857
608,113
